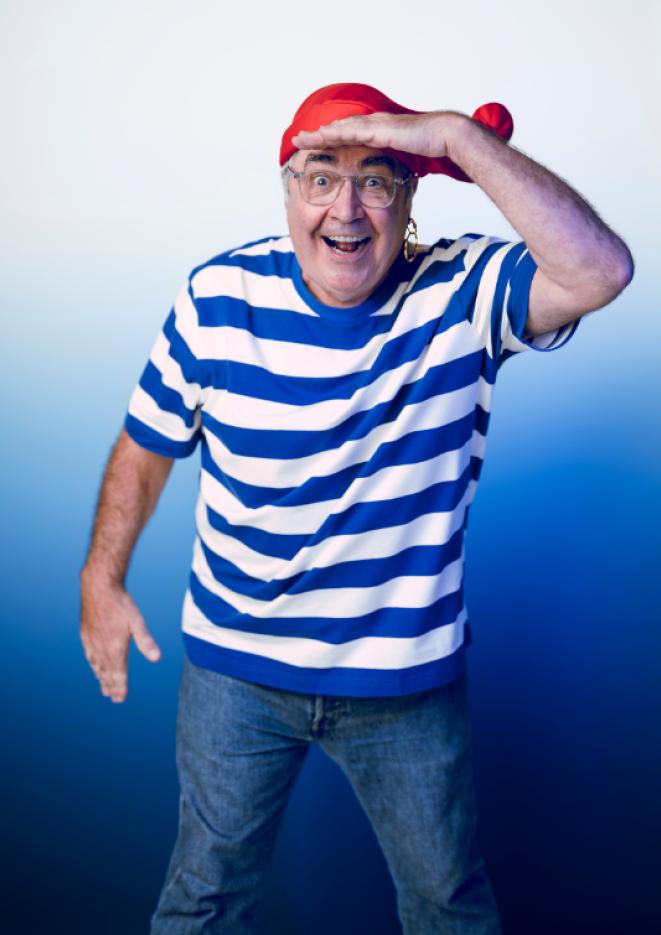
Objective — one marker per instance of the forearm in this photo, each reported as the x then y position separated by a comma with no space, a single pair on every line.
565,236
132,484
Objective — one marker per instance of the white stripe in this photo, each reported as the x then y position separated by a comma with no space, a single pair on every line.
510,342
256,289
143,408
305,519
172,375
405,591
186,322
279,293
428,414
291,358
431,529
254,413
274,245
471,246
485,295
368,652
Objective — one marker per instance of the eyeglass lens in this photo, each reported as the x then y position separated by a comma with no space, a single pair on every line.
375,190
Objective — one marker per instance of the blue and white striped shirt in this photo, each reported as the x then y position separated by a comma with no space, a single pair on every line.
340,452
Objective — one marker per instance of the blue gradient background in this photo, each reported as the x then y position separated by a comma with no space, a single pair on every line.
140,139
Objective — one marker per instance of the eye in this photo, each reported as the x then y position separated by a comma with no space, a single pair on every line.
319,180
374,182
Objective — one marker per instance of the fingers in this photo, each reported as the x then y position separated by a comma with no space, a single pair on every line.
110,666
109,620
144,640
424,134
110,661
113,680
113,673
115,687
350,130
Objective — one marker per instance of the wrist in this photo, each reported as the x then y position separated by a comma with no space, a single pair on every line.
462,132
97,574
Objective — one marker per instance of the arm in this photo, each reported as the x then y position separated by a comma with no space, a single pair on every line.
582,264
132,484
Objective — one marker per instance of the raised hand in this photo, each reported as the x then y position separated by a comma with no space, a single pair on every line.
421,134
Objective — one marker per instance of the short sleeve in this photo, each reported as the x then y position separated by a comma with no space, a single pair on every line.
506,272
514,314
164,410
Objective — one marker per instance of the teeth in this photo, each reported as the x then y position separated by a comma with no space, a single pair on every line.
347,239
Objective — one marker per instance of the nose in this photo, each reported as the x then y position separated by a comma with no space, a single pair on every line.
346,206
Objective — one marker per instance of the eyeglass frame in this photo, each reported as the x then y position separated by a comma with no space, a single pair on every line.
299,175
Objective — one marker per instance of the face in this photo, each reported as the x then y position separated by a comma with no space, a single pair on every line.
345,278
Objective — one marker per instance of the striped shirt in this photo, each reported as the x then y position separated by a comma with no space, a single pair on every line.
340,452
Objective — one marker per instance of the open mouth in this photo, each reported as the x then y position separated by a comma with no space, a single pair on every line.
343,245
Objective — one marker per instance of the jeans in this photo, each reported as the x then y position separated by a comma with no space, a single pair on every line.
240,747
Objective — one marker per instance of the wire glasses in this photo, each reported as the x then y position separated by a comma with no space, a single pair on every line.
374,189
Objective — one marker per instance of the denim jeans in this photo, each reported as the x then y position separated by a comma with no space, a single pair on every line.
240,747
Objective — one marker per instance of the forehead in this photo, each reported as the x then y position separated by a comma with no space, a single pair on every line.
357,157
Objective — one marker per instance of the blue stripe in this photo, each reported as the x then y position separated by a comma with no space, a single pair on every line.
562,335
153,441
439,271
415,560
517,306
277,324
280,443
285,325
467,293
396,622
400,271
411,448
505,275
382,514
180,351
338,681
257,382
278,545
274,263
165,397
359,517
252,380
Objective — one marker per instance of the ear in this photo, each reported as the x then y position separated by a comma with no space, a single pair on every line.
413,187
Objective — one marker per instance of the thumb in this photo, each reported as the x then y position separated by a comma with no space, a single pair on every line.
144,640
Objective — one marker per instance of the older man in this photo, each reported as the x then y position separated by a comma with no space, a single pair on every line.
339,382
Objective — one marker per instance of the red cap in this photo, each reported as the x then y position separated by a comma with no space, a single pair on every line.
336,101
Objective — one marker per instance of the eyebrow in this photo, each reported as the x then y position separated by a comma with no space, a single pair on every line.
319,157
331,159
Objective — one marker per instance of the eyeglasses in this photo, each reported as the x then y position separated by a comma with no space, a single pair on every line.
374,189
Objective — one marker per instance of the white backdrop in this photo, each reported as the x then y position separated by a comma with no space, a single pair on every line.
142,137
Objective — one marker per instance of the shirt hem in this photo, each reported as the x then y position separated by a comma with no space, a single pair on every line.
343,682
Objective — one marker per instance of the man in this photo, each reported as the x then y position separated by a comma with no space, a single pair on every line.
339,381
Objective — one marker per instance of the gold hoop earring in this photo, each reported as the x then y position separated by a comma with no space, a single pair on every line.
411,241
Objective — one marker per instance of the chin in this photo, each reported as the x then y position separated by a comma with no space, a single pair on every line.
352,286
349,293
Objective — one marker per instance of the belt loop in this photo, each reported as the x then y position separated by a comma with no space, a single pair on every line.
318,714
